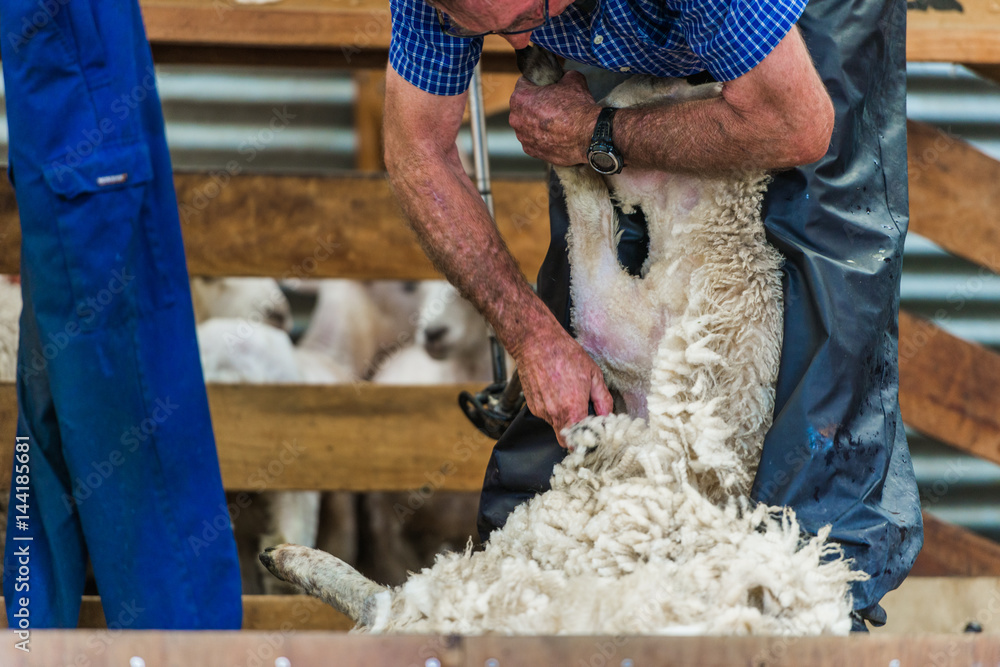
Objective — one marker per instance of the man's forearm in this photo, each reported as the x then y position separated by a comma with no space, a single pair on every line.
776,116
453,226
706,136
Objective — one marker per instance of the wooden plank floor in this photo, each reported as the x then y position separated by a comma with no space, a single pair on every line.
942,605
921,605
310,649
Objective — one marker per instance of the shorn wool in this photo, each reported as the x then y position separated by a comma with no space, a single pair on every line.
648,527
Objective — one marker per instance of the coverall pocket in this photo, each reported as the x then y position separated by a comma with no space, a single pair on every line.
98,201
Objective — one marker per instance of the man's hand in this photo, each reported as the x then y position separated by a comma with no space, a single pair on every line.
554,123
560,380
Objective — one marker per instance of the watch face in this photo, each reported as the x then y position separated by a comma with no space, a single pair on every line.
603,162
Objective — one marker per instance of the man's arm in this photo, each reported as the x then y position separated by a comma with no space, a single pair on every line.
777,115
455,229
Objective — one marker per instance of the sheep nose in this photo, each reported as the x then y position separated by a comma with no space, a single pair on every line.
436,335
276,319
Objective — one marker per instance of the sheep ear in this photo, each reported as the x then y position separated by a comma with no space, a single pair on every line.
330,579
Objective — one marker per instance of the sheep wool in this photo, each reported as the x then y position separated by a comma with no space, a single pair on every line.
648,527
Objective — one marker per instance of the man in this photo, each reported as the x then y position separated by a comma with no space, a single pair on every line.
119,459
836,452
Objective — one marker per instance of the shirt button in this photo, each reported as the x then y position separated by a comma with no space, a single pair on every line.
624,69
598,39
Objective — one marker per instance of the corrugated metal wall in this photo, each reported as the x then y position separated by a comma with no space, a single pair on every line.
217,115
961,297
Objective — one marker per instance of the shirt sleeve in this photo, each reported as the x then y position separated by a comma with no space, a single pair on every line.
732,38
421,53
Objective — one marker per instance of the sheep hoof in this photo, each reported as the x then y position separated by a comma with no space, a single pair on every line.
266,558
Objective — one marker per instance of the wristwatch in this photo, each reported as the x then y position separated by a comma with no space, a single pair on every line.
602,154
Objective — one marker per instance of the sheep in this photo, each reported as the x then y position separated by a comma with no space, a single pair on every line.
235,350
10,312
399,301
356,323
648,527
451,345
254,299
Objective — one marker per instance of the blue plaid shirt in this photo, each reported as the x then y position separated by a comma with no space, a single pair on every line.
667,38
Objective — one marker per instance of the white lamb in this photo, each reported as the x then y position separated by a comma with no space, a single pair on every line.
648,527
253,299
451,343
355,323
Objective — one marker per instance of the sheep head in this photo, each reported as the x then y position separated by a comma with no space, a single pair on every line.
538,66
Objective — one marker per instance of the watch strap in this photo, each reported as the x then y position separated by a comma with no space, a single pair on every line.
602,129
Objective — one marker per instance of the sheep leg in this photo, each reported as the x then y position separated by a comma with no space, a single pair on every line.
330,579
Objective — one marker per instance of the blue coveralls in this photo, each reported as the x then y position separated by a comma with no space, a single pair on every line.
837,451
111,399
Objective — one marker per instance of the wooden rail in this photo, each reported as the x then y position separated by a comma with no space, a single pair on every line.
260,612
320,226
306,33
311,226
965,32
952,551
403,438
353,33
351,437
949,388
954,198
350,226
